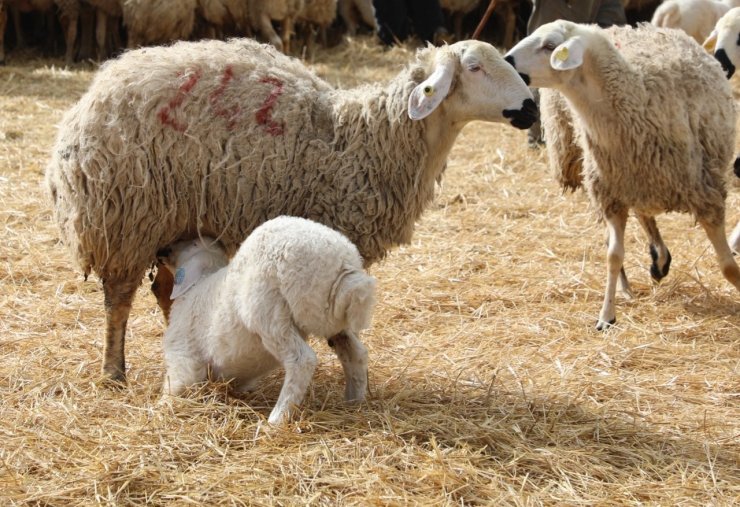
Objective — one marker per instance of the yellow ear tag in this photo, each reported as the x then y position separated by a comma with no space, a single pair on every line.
562,54
429,90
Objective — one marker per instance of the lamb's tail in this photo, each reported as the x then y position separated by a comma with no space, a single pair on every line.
354,299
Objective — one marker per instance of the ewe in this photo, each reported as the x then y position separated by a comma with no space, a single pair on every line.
290,278
657,134
213,138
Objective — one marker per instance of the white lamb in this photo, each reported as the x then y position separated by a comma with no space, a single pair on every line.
695,17
654,119
290,278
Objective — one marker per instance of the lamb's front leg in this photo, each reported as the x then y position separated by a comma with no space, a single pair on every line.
616,224
299,361
353,356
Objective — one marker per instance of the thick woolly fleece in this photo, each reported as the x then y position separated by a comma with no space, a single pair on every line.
319,12
215,138
662,137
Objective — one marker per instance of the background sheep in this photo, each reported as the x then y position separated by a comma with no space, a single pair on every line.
695,17
15,7
223,16
317,16
290,278
215,138
158,21
657,134
458,9
263,12
352,11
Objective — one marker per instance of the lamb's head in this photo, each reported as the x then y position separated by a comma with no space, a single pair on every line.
190,260
724,41
549,56
468,81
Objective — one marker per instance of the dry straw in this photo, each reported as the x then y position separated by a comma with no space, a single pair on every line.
489,384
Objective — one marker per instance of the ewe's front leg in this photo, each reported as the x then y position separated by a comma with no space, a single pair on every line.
616,224
716,234
658,251
299,361
118,296
353,356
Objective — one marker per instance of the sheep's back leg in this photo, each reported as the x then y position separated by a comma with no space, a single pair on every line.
352,355
616,223
716,235
735,239
659,253
299,361
118,296
3,25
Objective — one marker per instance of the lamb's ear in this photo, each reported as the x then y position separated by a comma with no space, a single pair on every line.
432,91
568,55
711,42
186,276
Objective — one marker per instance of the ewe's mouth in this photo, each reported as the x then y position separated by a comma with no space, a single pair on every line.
524,117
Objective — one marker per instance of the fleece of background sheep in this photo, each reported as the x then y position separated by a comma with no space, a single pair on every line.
673,138
151,22
124,184
463,6
276,10
564,155
319,12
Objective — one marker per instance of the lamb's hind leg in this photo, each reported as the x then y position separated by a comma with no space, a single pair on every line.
353,356
658,251
616,223
118,298
716,234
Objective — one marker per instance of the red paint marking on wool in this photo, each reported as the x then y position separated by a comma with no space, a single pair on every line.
165,113
229,113
264,114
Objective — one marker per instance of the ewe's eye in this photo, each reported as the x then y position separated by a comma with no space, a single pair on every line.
474,67
549,46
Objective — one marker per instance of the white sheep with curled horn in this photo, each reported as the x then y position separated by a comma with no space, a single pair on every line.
213,138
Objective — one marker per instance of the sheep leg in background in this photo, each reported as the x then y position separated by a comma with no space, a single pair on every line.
735,239
716,235
288,23
118,298
101,33
3,24
353,356
658,251
70,37
299,361
268,32
616,223
20,40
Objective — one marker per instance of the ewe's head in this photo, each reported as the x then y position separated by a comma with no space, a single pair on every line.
547,57
469,81
724,41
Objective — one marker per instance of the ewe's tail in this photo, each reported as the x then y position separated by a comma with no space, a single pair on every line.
354,299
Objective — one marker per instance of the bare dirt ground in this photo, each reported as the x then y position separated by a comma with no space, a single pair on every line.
489,383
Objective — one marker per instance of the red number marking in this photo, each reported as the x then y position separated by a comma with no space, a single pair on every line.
264,114
229,113
165,113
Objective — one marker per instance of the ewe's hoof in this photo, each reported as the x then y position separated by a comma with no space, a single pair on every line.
656,272
114,378
603,325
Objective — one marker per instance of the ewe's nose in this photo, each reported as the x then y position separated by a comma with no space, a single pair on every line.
524,117
510,60
725,61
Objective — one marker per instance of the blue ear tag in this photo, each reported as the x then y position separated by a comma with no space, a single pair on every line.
179,276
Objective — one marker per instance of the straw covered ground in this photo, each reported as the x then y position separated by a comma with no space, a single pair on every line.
489,384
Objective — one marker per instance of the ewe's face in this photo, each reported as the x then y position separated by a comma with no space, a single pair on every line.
726,41
471,81
539,57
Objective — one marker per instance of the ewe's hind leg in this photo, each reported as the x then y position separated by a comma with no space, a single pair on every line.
298,359
118,296
658,251
716,234
616,224
353,356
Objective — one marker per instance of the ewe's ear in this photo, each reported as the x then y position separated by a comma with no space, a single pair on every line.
711,42
568,55
186,276
429,94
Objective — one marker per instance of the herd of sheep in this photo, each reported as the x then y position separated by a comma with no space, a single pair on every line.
180,154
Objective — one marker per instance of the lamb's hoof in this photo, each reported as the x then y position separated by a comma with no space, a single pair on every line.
603,325
656,272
